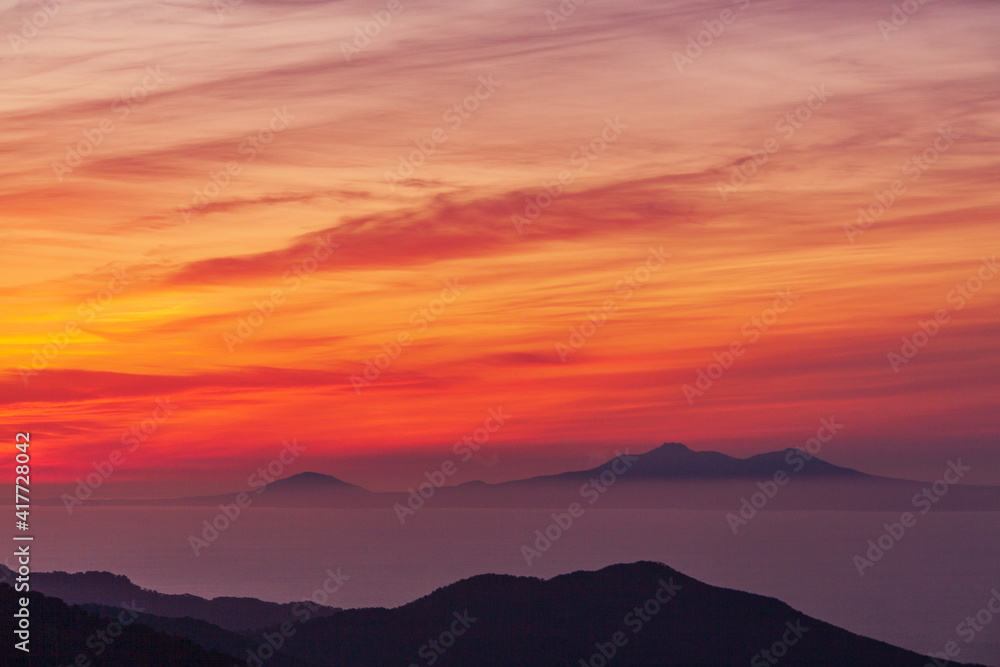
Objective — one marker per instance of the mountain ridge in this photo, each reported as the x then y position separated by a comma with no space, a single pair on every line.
642,614
670,476
238,614
638,614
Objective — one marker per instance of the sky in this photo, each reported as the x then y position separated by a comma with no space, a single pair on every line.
363,226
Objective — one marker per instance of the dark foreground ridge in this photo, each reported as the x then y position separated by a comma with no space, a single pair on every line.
106,589
639,614
61,634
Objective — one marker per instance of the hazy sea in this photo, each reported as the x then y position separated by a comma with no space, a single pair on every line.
941,571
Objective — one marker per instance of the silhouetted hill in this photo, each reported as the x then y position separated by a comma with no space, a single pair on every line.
103,588
639,614
309,481
206,635
675,477
659,617
315,489
674,461
60,633
671,476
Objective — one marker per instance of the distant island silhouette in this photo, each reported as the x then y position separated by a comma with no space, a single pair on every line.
671,476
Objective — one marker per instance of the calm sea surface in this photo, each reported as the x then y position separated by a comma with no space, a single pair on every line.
941,571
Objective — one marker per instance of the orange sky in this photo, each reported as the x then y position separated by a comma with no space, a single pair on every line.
495,105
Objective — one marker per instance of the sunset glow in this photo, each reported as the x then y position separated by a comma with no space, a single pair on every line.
572,225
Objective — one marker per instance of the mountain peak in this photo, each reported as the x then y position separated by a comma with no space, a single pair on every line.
673,459
707,625
672,448
310,476
310,481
